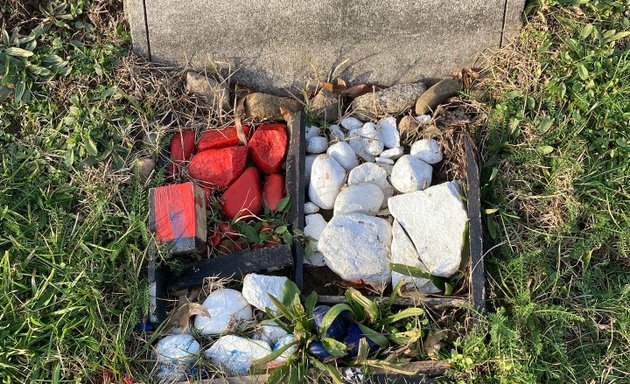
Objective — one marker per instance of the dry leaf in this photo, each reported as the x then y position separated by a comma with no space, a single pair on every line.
359,90
240,133
285,113
181,316
433,343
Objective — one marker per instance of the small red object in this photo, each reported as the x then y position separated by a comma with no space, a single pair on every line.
177,217
244,197
273,191
218,168
268,146
182,149
220,138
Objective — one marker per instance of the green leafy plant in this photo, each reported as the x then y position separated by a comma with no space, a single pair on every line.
380,323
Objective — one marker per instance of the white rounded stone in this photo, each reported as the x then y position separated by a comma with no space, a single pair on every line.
356,247
351,123
257,288
384,160
410,174
356,142
374,174
372,139
424,119
359,198
392,153
177,349
435,220
327,177
226,307
312,131
316,144
270,333
336,133
343,153
313,228
310,208
389,132
308,166
427,150
404,252
285,340
316,259
235,354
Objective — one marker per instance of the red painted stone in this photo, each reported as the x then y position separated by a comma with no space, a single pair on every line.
218,168
244,197
268,146
177,216
182,148
220,138
273,191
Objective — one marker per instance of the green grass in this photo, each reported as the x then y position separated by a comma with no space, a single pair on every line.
555,155
557,166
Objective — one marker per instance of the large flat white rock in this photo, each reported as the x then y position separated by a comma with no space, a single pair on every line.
356,247
404,252
435,219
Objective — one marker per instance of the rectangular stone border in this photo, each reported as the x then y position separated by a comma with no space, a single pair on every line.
236,264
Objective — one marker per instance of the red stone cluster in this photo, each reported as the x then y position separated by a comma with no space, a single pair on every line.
221,164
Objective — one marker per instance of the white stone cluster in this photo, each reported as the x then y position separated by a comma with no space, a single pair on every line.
230,353
381,205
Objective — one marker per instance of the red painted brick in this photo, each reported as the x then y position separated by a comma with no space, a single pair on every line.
244,197
220,138
268,147
218,168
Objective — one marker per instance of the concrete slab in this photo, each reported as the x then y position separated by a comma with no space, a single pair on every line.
277,45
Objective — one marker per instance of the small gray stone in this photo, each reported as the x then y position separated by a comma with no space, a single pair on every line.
257,288
408,126
327,176
374,174
312,131
226,307
423,119
393,153
356,142
372,140
351,123
313,228
146,165
343,153
363,198
308,166
436,94
336,133
285,340
356,247
269,332
316,259
404,252
389,132
213,93
261,106
310,208
177,349
384,160
235,354
390,101
427,150
435,219
325,106
410,174
316,144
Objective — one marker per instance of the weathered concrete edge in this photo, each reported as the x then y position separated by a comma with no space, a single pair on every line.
513,12
135,13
